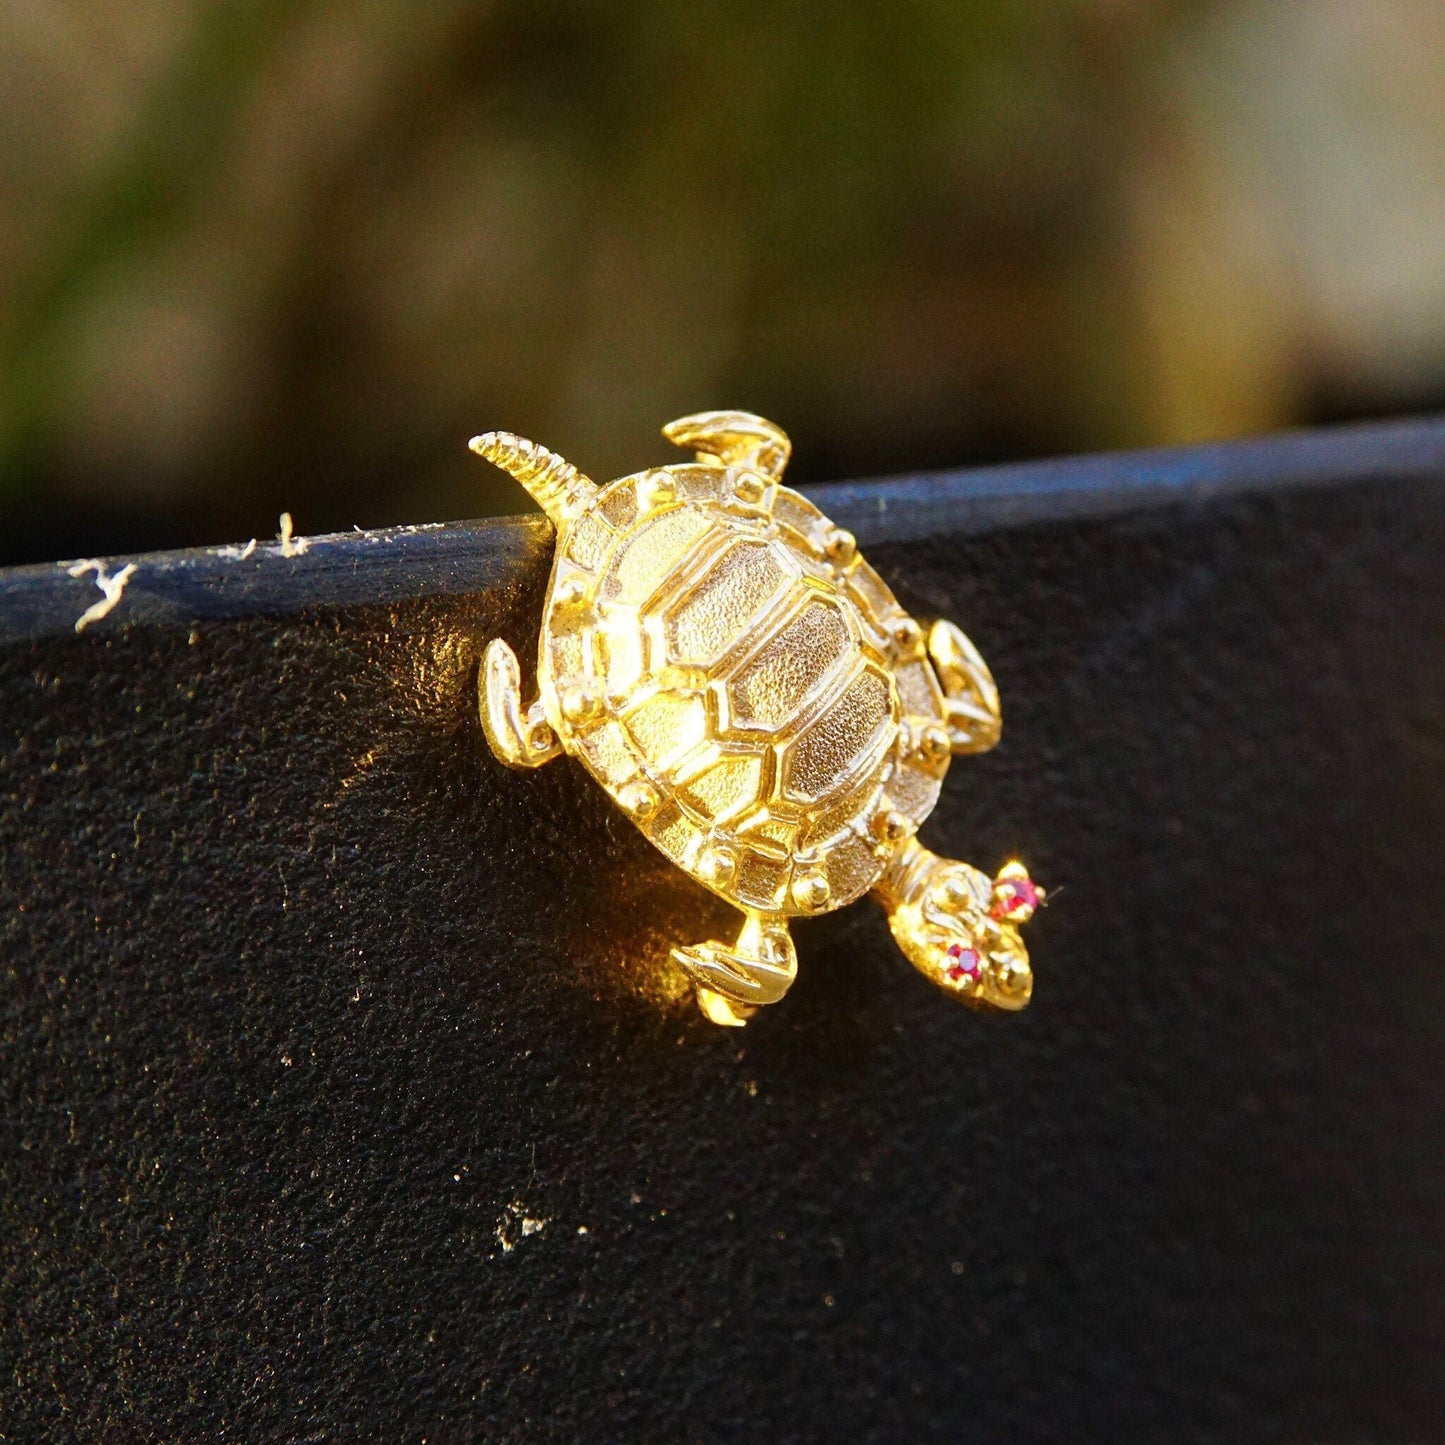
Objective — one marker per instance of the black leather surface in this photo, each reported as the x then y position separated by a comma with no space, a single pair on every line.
347,1095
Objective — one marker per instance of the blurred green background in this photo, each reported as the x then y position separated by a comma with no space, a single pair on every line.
292,253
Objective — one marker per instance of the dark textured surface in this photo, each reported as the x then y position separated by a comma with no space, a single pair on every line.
309,1006
263,577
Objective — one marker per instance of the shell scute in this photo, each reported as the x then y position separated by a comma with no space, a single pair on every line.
853,731
772,687
800,516
589,539
650,553
725,788
667,727
747,676
609,754
619,507
762,879
739,585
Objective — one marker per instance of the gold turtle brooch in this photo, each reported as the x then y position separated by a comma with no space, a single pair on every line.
727,666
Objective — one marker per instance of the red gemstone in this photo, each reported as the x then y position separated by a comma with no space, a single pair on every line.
962,963
1015,893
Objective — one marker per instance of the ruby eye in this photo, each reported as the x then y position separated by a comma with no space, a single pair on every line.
1014,893
961,963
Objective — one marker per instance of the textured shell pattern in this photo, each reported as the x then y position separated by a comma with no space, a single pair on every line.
757,689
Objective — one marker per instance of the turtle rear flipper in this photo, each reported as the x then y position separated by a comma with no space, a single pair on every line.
733,982
734,438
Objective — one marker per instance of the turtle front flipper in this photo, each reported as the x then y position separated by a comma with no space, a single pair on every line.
518,734
734,981
970,696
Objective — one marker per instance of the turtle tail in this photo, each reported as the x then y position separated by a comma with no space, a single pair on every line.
555,484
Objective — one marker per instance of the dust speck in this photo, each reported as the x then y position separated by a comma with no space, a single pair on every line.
112,588
516,1224
291,545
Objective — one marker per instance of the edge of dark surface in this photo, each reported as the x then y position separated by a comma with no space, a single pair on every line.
184,587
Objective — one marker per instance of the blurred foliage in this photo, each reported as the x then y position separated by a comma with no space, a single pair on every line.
291,253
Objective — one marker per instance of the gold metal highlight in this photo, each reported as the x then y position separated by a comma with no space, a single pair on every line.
731,670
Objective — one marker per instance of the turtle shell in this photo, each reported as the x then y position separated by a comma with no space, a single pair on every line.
753,702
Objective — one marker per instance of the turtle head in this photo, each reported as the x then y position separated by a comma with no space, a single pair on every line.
960,928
